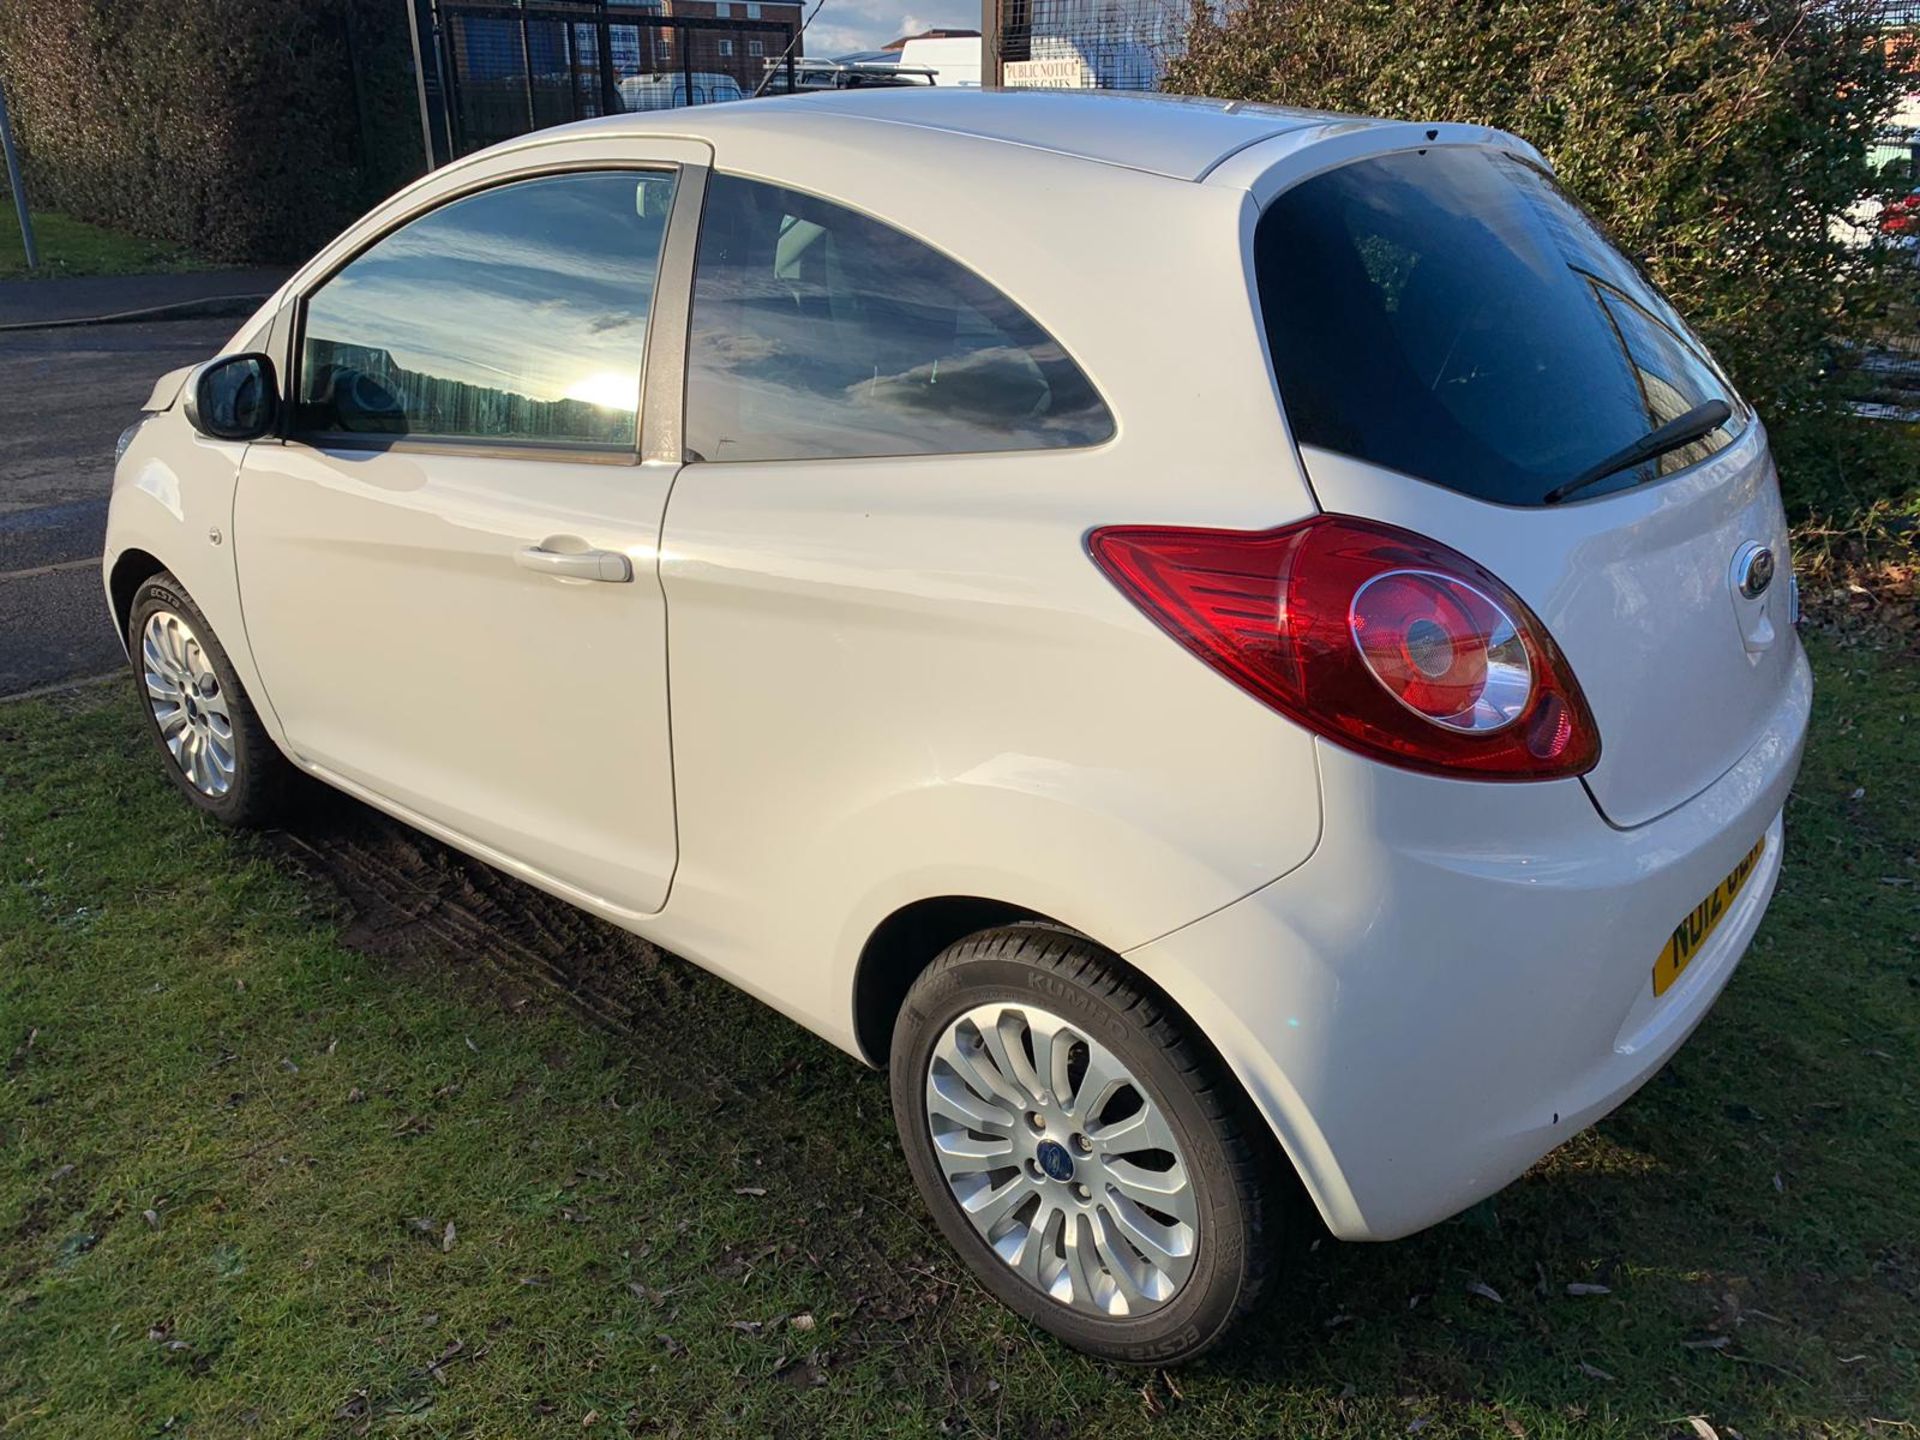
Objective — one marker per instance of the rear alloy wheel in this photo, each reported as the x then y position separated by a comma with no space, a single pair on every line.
1080,1149
1059,1160
217,751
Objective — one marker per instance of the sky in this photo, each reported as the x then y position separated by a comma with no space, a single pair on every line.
847,25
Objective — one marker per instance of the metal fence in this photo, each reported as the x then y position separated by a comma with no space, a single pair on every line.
1085,44
493,69
1890,375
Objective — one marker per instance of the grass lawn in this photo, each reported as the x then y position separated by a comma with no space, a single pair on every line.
73,247
258,1179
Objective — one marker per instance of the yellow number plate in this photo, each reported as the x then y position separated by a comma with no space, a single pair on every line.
1690,935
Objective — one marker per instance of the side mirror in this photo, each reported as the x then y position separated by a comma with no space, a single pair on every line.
233,398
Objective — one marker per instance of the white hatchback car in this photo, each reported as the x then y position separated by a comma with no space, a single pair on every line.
1227,647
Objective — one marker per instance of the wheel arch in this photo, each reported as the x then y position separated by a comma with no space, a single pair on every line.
132,568
910,939
903,945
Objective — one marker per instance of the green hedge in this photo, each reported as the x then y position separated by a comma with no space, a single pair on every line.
242,129
1715,138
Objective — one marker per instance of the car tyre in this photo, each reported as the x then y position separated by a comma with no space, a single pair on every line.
1000,1006
215,748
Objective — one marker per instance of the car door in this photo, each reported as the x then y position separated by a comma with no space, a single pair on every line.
449,563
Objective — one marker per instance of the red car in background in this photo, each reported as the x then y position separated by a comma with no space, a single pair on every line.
1901,217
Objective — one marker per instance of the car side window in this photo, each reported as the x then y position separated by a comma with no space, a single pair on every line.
820,333
518,314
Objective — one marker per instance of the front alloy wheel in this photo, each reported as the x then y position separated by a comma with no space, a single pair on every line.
1081,1148
188,707
217,750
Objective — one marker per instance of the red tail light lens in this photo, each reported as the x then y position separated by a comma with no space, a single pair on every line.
1379,639
1443,649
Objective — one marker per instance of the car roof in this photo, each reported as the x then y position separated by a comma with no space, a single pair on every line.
1179,136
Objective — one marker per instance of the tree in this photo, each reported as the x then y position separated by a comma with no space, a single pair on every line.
1718,140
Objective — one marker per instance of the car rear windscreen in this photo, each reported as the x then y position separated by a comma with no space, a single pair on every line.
1449,313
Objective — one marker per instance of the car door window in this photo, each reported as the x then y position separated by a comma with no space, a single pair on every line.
818,332
518,314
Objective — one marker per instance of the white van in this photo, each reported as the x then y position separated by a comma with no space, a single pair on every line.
667,90
954,61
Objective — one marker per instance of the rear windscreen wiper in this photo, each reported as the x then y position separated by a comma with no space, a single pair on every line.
1681,430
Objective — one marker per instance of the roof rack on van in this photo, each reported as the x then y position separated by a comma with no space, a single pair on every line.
849,74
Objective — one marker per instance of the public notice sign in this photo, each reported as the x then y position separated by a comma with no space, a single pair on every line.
1068,72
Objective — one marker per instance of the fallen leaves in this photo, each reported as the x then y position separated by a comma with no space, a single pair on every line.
801,1321
1484,1291
427,1228
1160,1394
806,1372
23,1050
437,1366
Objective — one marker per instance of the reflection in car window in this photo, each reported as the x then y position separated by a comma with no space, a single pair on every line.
818,332
1672,378
1450,314
516,314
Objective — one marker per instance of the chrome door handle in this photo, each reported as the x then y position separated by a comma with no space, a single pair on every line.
608,565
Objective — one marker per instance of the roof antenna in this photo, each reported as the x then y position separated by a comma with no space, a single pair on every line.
781,59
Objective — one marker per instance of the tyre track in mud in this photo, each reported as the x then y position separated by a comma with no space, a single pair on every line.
401,895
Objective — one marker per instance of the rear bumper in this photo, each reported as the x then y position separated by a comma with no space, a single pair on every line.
1460,978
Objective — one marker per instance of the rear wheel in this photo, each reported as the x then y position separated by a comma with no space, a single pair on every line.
215,748
1081,1149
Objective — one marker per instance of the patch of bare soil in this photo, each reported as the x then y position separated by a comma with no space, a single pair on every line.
402,895
1860,582
406,897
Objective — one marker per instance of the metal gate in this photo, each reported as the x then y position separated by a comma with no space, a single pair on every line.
492,69
1083,44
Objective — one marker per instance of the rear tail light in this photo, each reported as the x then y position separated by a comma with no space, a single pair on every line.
1379,639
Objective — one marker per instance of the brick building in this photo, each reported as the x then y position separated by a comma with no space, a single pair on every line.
640,49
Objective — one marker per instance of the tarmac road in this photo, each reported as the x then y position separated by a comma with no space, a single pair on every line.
65,396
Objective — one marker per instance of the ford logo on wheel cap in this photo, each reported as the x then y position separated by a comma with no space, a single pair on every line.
1054,1160
1753,570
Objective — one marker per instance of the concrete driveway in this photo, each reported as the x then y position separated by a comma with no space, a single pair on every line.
65,395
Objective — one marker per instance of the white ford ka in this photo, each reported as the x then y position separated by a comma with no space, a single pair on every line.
1242,654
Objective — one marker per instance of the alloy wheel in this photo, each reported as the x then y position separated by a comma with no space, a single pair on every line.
1061,1160
188,703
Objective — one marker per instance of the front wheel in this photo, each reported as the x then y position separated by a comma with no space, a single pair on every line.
216,749
1081,1149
